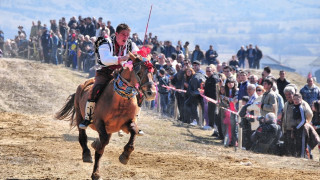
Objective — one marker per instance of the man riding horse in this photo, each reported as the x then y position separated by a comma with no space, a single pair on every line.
110,53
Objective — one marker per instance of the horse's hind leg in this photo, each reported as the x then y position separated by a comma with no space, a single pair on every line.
83,139
99,146
129,147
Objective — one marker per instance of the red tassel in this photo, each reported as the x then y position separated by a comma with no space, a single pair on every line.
144,51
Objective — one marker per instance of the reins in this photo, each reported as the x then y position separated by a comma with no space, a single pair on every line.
125,89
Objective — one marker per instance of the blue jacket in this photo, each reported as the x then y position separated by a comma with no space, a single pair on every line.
310,94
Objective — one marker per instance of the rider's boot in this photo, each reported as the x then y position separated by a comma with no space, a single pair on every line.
88,115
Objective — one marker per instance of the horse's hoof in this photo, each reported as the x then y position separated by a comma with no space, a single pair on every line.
123,159
95,176
86,157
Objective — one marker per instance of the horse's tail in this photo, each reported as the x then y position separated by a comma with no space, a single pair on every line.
68,110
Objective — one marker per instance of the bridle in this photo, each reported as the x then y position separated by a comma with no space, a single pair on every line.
125,89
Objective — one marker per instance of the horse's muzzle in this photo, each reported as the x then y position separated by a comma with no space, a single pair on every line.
150,93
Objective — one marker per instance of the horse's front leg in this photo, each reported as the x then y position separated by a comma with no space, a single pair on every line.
129,147
99,146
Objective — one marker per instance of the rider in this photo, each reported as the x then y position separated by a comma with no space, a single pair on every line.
110,53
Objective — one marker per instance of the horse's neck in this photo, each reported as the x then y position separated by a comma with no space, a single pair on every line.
127,76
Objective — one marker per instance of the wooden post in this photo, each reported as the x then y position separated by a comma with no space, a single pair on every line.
176,111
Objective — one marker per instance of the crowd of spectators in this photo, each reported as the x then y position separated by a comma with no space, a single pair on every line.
285,123
269,110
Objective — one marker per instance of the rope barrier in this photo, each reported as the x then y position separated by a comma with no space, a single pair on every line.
210,100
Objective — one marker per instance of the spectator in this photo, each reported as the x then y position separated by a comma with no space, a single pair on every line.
267,135
72,21
54,26
178,50
168,49
254,98
90,28
164,98
253,79
287,120
46,44
210,90
229,121
63,31
269,99
186,50
197,55
266,73
241,54
79,20
282,82
227,71
316,116
177,82
255,105
55,43
280,101
194,98
234,62
98,29
136,40
157,48
72,55
23,46
112,31
251,54
189,73
243,84
161,61
310,92
258,57
180,58
82,27
181,47
33,31
211,56
245,123
302,114
21,31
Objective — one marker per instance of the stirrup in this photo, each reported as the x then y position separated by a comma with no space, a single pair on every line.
84,124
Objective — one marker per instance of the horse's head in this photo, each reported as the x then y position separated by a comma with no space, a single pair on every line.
142,72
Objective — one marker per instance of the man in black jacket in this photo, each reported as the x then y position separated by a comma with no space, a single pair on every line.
194,97
282,82
258,57
210,90
211,56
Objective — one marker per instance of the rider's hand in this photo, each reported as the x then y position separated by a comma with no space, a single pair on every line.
124,58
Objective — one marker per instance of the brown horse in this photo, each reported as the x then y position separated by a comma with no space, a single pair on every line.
116,109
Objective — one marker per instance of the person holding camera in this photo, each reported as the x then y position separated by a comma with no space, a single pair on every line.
267,136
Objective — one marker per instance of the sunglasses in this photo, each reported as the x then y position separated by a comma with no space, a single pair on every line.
259,89
208,71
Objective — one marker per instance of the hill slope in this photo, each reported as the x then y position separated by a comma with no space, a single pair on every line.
35,146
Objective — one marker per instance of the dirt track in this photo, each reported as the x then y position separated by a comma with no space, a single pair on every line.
35,146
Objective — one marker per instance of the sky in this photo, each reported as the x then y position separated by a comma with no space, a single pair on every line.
279,27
